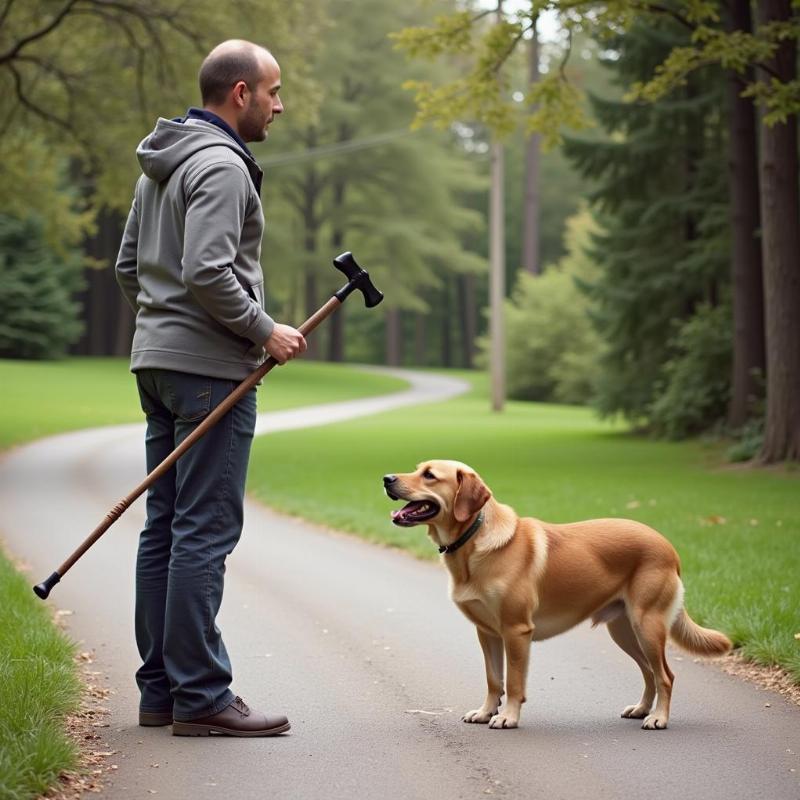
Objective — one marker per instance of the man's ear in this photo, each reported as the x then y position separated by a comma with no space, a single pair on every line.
471,496
239,89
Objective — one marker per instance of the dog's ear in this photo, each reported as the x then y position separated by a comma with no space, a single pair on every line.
471,496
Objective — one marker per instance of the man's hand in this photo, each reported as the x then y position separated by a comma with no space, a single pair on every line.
285,343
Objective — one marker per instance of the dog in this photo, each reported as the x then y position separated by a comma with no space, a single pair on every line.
518,580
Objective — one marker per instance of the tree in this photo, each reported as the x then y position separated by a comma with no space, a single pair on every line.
358,179
772,49
552,349
780,215
82,82
660,188
38,318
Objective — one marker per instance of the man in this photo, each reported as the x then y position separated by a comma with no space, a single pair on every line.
189,266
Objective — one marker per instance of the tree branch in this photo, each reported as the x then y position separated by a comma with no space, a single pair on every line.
5,12
32,37
656,8
35,109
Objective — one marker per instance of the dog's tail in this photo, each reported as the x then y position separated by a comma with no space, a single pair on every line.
702,641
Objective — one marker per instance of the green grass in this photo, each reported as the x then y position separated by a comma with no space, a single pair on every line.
39,686
38,677
737,530
43,398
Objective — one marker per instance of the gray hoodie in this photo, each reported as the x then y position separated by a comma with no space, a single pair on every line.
189,262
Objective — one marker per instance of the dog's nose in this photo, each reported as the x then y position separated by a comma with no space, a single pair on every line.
389,479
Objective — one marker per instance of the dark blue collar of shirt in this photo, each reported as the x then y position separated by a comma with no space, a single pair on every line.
210,116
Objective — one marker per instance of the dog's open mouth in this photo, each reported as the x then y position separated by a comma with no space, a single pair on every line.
415,512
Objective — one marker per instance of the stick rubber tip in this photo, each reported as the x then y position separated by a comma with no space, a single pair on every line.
44,588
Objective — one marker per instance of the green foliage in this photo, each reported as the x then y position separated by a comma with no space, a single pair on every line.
39,688
61,106
485,49
38,317
360,180
748,441
661,187
696,380
552,348
732,50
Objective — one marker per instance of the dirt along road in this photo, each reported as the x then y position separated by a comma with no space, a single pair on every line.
362,649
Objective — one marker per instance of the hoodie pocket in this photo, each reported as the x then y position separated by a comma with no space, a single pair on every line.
256,291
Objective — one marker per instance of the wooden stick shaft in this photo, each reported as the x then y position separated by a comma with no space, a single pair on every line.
212,419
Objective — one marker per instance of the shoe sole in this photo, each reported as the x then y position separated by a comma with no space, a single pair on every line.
192,729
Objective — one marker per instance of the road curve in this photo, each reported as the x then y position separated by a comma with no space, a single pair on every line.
361,648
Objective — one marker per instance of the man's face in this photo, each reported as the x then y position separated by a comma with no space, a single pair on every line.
263,105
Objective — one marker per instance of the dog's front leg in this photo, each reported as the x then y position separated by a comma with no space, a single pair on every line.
517,644
492,647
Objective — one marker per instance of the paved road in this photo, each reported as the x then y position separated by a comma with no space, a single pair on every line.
360,646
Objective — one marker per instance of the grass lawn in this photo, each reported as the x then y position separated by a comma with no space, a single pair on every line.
42,398
39,686
38,677
737,530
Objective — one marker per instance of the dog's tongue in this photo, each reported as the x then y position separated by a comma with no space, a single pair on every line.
409,508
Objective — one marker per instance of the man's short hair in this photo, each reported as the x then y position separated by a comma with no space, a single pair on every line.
219,72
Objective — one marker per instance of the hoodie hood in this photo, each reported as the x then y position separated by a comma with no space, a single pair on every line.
172,142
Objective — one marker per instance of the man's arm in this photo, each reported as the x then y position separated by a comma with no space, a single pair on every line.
126,259
215,213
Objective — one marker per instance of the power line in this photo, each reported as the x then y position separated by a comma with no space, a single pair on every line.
335,149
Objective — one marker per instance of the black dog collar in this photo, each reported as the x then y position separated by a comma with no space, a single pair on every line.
465,537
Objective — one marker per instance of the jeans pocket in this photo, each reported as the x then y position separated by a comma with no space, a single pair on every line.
190,396
145,401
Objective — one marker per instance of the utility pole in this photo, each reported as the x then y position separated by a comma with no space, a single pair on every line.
497,269
530,215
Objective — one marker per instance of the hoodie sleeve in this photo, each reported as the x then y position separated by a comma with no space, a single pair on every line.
216,206
126,265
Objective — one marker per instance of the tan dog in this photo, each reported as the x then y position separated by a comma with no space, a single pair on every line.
519,579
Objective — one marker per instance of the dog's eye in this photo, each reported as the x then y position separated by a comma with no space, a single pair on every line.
428,475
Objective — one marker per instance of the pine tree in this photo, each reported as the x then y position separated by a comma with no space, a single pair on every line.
661,196
38,317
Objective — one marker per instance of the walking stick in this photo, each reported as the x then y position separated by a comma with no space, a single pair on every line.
357,278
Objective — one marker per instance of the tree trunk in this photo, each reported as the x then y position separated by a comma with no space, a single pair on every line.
497,270
447,340
746,275
336,322
420,340
311,223
394,338
467,314
530,212
780,215
108,318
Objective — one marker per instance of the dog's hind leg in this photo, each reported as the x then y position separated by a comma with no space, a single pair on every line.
492,647
622,633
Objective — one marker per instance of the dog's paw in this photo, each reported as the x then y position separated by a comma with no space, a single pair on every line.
478,716
654,722
503,721
635,712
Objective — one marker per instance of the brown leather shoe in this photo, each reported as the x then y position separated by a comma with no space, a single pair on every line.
155,719
234,720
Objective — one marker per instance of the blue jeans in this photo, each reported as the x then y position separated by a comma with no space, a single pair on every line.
194,520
